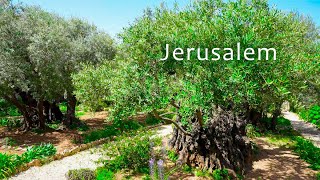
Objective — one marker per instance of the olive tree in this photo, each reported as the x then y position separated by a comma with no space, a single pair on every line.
211,101
39,53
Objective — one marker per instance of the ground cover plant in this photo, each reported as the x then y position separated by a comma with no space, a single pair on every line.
10,163
131,152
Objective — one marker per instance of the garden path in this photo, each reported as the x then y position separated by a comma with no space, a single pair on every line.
57,170
307,130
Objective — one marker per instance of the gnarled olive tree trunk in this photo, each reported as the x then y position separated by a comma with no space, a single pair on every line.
220,144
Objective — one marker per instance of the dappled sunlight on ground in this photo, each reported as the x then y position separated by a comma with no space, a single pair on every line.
278,163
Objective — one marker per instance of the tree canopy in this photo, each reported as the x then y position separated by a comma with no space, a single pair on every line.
40,51
148,84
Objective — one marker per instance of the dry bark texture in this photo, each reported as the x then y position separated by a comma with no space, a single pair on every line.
219,144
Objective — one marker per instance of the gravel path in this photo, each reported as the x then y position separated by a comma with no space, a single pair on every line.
57,170
307,130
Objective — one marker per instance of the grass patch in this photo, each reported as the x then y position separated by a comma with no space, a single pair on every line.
111,130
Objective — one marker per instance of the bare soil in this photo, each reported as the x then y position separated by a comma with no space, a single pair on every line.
278,163
62,139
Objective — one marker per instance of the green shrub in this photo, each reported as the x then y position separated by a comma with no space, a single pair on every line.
129,153
81,174
4,121
63,107
312,115
282,125
8,164
318,176
220,174
10,123
201,173
38,152
79,125
252,131
308,152
186,169
104,174
172,155
7,109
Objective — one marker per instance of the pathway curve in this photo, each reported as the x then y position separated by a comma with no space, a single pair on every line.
307,130
57,170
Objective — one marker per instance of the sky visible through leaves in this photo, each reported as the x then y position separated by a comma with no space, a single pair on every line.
112,16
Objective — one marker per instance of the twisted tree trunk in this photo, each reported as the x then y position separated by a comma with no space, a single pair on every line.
218,145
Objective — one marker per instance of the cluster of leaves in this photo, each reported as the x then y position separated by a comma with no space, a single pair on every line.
7,109
312,115
252,131
308,152
103,174
172,155
38,152
92,85
129,152
9,163
10,123
220,174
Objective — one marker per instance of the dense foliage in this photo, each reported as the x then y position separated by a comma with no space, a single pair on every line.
144,83
312,115
39,52
129,153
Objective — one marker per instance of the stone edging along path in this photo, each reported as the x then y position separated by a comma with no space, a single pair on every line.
307,130
78,149
79,157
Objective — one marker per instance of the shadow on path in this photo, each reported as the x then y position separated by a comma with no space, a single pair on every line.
307,130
